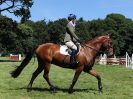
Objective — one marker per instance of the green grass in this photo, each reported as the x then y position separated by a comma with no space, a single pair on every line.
117,83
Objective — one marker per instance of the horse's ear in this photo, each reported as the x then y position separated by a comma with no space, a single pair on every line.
108,35
111,35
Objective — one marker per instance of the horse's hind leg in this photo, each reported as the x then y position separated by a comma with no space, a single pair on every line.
46,76
34,75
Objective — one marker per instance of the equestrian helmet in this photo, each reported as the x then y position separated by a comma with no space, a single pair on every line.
71,17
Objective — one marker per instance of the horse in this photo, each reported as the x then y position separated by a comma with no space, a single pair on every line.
49,53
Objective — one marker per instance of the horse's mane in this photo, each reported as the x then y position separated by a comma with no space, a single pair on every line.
91,40
94,39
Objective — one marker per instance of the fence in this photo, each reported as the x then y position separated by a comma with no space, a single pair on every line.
16,57
127,61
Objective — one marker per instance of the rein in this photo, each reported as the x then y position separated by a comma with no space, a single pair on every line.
91,48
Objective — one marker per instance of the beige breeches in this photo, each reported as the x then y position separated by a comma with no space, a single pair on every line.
71,45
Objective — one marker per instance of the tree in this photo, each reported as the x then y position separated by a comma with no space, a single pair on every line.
14,37
122,32
17,7
8,29
56,30
97,27
39,32
25,37
127,34
82,29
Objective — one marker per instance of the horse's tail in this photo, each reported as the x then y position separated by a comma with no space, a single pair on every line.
23,64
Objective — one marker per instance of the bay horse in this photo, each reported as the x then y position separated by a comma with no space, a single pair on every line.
48,53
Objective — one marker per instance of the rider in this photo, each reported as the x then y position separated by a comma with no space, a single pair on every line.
71,40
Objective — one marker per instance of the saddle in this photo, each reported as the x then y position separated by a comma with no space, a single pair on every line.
66,50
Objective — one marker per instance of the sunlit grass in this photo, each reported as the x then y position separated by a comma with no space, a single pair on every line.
117,83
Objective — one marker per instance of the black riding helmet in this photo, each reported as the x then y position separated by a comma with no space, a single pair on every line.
71,17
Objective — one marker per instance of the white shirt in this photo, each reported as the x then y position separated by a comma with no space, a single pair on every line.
73,24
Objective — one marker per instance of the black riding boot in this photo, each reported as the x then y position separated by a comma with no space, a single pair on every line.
73,61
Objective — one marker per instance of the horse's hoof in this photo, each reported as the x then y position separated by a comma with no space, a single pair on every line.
53,89
100,92
70,91
29,89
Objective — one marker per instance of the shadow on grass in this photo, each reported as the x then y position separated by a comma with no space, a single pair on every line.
61,89
9,61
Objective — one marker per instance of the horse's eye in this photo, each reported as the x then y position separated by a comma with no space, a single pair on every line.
111,43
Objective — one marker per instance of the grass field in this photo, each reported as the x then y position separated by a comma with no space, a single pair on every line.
117,83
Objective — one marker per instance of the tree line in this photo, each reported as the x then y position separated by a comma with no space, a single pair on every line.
21,37
20,8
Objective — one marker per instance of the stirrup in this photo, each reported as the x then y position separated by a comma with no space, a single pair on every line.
74,63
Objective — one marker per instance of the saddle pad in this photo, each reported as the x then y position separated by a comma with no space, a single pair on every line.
63,50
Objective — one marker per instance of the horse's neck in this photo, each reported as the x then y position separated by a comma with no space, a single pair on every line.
91,50
95,45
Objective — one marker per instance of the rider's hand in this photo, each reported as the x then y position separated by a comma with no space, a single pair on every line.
79,41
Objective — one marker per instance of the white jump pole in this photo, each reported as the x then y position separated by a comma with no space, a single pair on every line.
126,60
132,61
19,57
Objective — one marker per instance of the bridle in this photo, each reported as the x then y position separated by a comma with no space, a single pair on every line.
108,45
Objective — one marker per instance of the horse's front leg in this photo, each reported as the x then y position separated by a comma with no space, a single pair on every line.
95,74
76,76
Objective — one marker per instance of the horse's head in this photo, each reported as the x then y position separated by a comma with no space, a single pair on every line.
107,45
100,43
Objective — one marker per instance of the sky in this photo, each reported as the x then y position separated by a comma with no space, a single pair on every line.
88,9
